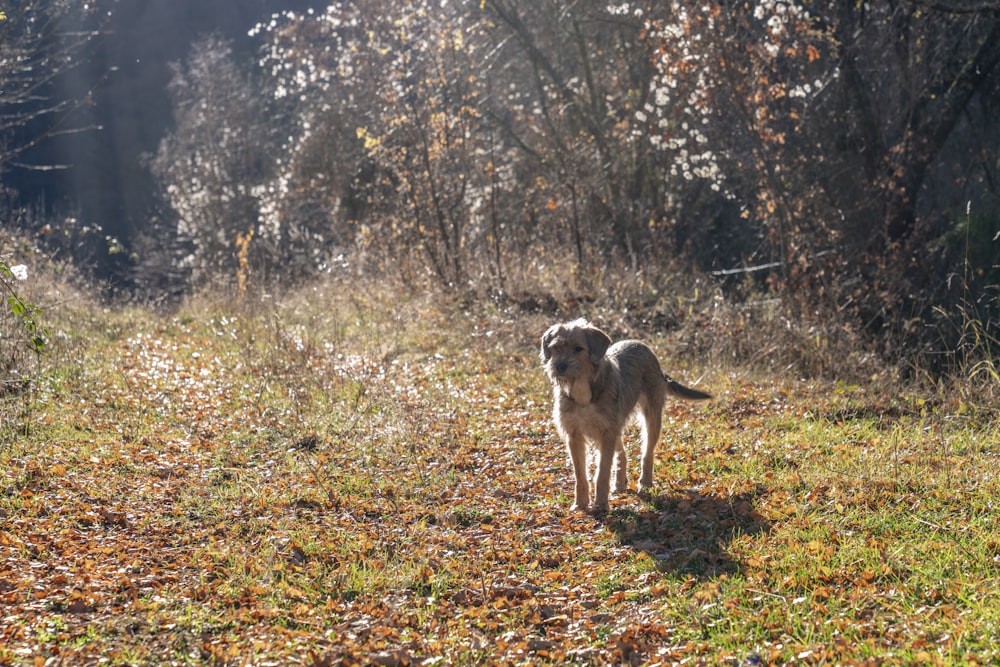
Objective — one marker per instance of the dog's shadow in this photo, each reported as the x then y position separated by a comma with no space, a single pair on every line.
689,532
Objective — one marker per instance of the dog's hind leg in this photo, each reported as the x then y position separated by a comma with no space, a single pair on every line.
651,424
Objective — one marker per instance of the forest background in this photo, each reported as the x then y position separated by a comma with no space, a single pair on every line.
831,166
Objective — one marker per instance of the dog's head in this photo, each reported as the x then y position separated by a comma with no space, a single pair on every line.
573,350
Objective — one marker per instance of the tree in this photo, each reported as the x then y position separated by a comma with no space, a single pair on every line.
826,121
214,165
481,136
40,42
37,47
569,83
385,137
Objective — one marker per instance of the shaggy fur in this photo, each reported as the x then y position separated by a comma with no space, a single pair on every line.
596,388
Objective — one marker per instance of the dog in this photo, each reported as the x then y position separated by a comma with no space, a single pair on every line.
596,388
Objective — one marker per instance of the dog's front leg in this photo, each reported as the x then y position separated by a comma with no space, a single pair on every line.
621,467
578,455
606,455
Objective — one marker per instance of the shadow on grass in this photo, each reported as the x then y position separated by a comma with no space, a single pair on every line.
689,532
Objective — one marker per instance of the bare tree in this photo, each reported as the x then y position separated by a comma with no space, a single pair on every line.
212,165
40,41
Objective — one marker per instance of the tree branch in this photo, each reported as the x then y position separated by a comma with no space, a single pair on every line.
985,7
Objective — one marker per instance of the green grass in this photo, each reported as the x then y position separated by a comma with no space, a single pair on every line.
338,480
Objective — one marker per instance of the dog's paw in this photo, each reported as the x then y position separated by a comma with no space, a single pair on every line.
599,509
577,507
645,490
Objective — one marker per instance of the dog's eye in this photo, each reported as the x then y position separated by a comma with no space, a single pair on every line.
579,348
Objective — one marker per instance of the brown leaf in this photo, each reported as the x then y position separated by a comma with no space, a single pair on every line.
80,606
393,658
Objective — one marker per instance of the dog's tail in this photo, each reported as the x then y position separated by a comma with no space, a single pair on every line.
676,389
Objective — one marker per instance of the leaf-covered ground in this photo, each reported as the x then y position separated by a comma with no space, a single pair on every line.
345,482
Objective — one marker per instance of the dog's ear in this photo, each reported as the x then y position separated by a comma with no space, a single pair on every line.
546,341
597,344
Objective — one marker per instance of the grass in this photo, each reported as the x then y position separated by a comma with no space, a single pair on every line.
337,478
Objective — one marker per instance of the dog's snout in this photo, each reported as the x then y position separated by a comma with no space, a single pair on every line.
561,366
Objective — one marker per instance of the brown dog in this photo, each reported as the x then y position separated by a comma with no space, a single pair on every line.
596,389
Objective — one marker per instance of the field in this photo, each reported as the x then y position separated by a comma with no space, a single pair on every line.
343,478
